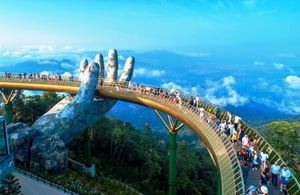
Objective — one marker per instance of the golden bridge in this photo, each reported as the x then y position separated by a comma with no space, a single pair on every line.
222,151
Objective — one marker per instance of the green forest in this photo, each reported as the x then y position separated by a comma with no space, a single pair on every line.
140,158
284,136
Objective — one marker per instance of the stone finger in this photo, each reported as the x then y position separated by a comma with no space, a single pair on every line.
99,60
128,69
82,67
112,65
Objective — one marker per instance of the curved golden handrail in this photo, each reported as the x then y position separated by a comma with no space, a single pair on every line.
293,185
222,152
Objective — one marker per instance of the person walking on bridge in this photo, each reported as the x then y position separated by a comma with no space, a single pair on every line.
285,174
275,169
229,117
236,121
197,101
245,141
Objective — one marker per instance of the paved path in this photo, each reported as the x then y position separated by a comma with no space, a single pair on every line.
31,186
254,177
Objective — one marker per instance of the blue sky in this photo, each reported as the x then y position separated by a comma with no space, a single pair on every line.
200,26
230,52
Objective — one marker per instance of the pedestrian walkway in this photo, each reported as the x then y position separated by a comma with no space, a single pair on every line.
253,177
30,186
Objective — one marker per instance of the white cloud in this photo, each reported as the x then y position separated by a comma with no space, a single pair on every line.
194,90
44,73
46,48
148,73
66,75
222,93
157,73
289,101
140,71
228,95
67,65
27,56
67,47
12,53
287,105
278,66
227,81
6,53
258,63
293,81
50,62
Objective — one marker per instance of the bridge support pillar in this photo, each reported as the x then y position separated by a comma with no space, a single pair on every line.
173,128
7,98
172,162
8,112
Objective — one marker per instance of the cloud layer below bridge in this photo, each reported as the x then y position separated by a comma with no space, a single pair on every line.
274,82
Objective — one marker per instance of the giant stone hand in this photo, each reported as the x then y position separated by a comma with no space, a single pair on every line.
70,116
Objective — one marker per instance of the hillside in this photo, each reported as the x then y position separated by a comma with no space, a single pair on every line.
140,159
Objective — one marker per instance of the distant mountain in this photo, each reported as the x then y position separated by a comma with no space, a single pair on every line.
256,111
139,115
36,66
215,77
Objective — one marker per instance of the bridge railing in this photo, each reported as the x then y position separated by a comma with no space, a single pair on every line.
230,165
17,79
293,185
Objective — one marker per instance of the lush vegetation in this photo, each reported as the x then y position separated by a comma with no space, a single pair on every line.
81,183
284,136
140,159
29,108
10,185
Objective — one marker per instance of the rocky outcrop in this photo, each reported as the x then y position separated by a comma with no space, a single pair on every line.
41,154
49,155
21,138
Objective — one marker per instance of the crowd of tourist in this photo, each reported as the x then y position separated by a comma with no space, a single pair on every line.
39,76
252,159
248,153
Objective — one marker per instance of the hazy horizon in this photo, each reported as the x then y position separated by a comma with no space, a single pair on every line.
233,53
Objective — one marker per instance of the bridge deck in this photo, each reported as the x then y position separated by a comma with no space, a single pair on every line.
222,151
253,177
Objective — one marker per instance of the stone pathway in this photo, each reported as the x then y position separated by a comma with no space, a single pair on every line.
30,186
